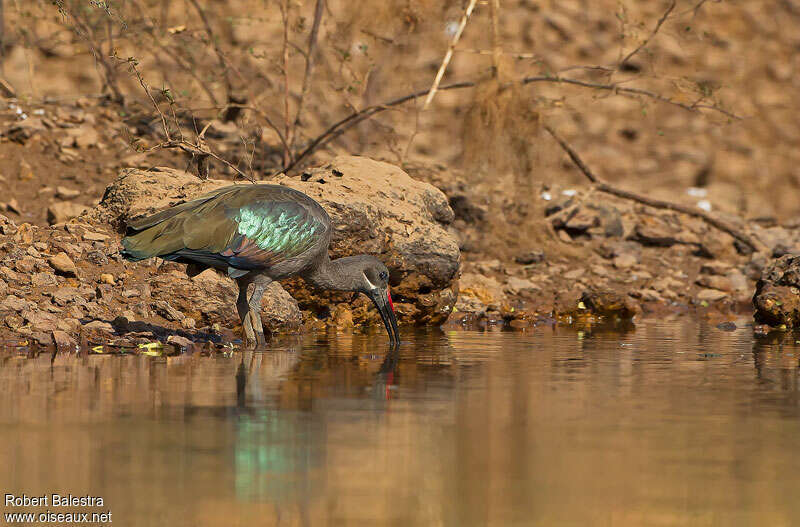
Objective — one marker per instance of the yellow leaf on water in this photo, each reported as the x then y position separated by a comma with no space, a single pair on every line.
97,349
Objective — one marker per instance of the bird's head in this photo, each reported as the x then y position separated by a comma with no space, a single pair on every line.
370,276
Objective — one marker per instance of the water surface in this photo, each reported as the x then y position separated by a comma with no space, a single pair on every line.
671,423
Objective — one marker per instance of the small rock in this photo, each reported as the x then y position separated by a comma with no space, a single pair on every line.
167,311
66,295
487,290
100,326
9,275
737,280
520,286
63,265
25,265
43,280
67,193
715,268
95,236
711,295
726,326
25,170
715,282
575,274
608,304
62,339
107,278
13,206
529,257
177,340
188,323
63,211
68,325
40,320
15,303
105,291
624,261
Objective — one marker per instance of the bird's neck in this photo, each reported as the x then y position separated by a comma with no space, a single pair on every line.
332,274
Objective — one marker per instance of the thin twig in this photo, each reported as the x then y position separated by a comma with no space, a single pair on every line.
602,186
449,54
198,150
217,50
287,153
506,53
494,14
646,41
264,116
312,42
356,117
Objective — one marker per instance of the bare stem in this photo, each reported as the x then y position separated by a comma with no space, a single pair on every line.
494,14
309,54
338,128
646,41
449,54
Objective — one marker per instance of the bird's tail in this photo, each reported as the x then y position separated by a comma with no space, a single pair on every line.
160,239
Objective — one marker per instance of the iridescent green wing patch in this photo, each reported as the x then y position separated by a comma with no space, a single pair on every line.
270,232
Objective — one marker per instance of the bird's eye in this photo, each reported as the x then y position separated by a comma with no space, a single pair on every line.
384,276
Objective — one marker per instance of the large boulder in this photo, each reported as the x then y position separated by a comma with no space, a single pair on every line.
375,208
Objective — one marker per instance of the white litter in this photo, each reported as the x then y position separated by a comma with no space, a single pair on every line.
697,192
704,204
569,192
546,196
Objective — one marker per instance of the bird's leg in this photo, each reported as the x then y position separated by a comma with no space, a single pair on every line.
243,307
260,284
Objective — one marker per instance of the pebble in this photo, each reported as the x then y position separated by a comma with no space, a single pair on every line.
62,339
624,261
63,264
107,278
178,340
711,295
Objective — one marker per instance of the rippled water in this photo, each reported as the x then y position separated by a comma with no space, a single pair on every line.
672,423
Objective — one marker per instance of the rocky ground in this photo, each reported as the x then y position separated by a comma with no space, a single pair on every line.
564,254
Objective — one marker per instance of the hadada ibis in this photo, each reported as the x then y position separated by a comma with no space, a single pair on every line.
257,234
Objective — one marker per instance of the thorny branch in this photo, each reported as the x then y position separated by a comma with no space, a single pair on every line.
200,151
602,186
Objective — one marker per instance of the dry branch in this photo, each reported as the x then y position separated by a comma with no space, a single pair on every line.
494,14
287,153
223,66
338,128
199,150
309,55
449,54
646,41
602,186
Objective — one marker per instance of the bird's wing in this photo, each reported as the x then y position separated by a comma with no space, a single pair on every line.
243,228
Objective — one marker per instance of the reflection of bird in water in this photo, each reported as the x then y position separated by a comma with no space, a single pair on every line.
258,234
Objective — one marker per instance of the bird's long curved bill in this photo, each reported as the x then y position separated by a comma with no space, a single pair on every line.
383,301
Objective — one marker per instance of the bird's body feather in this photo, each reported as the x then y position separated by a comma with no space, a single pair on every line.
269,228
